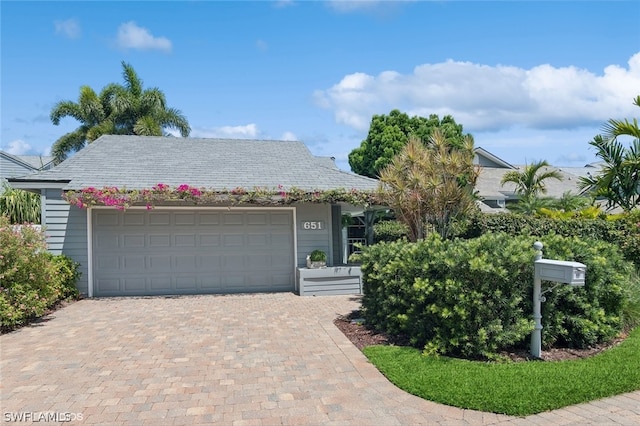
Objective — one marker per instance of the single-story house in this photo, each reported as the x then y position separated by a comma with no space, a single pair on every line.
166,215
494,196
20,165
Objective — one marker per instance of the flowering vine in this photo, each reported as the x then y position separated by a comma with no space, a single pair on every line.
122,198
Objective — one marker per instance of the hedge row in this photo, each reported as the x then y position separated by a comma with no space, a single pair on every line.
31,279
472,298
623,231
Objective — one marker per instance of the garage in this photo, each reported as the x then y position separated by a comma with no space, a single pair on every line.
192,251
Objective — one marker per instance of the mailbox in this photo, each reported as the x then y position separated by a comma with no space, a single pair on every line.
560,271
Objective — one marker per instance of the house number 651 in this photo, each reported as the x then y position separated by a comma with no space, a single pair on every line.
312,225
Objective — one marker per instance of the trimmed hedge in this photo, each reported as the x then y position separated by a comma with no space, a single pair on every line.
472,298
621,230
389,230
31,279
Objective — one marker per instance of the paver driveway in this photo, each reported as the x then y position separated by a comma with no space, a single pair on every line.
244,359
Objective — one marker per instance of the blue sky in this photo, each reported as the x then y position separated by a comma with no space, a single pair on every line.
529,80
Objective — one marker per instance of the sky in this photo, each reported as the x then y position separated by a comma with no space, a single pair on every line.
530,80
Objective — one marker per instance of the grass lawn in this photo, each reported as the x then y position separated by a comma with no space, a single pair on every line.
514,388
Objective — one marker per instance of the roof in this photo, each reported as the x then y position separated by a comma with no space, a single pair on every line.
486,159
29,163
138,162
489,184
37,162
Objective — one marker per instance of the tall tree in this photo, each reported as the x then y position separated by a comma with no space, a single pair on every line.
619,180
120,109
430,183
530,183
91,111
388,134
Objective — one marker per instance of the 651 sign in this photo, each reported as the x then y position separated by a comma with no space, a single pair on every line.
313,225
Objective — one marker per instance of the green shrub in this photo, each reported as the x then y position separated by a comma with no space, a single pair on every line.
622,230
19,205
31,279
472,298
318,256
389,230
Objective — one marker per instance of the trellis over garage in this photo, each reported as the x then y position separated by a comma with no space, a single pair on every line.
169,216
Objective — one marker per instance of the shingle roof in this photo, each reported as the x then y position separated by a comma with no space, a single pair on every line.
30,163
36,161
138,162
490,188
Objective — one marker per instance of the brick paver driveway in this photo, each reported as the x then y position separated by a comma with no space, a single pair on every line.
262,359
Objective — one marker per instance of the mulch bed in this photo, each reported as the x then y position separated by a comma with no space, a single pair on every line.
362,336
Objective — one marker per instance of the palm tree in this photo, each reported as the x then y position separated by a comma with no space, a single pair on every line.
91,110
143,112
119,109
530,182
619,179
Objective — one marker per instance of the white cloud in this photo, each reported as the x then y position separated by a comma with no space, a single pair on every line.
249,131
131,36
489,98
288,136
69,28
17,147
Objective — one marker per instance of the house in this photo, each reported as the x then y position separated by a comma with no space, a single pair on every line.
221,243
494,195
20,165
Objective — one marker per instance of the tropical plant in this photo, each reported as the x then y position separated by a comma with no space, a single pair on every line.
19,206
530,205
430,184
569,202
126,109
529,184
619,180
388,134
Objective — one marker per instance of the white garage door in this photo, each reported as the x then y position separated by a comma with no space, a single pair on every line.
140,252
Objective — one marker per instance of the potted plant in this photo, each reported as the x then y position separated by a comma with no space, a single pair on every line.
317,259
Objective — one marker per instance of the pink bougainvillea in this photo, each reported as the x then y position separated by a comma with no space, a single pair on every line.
121,198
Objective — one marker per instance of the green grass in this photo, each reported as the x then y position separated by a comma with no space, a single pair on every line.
514,388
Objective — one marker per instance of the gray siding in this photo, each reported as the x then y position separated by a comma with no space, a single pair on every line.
483,161
66,230
309,240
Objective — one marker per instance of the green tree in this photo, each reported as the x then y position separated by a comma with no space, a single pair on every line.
529,184
619,180
388,134
119,109
430,183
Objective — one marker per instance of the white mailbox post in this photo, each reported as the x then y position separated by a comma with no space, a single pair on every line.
560,271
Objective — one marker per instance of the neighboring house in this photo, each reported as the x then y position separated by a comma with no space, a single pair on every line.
494,196
182,248
21,165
